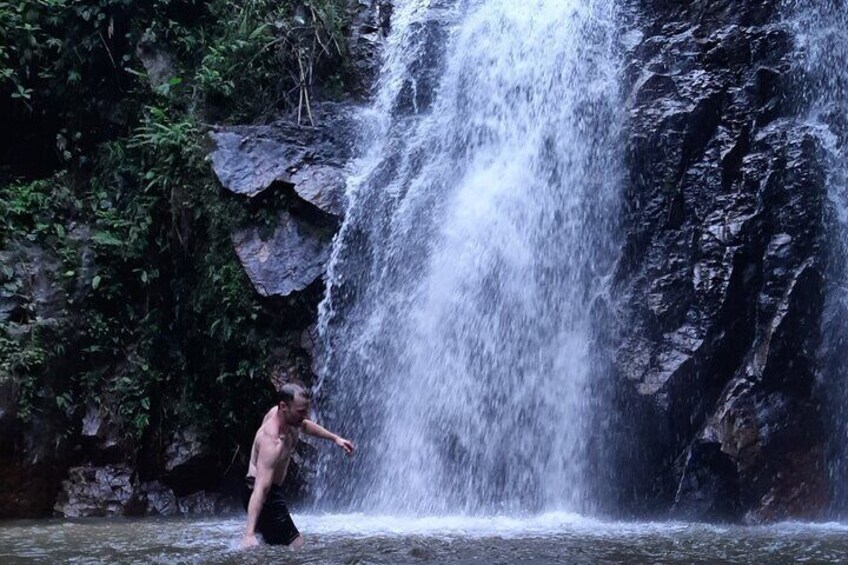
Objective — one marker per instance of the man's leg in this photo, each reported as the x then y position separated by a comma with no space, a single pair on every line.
297,544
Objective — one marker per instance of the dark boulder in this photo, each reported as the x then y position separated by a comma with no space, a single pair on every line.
158,500
205,503
100,429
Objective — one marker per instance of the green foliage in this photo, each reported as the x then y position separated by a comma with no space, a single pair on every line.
160,315
264,52
74,66
22,354
29,209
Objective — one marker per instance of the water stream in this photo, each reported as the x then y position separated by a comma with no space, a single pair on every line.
479,232
821,94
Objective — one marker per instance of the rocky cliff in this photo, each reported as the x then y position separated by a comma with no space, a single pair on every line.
722,271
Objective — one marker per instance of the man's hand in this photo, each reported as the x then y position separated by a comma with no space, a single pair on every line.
345,444
248,541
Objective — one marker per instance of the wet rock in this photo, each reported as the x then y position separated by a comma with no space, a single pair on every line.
310,342
429,38
709,488
99,428
158,500
189,461
310,159
208,504
290,260
97,491
721,270
370,23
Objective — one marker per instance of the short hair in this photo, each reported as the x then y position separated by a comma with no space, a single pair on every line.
289,391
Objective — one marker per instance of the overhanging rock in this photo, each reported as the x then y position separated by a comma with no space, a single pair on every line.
249,159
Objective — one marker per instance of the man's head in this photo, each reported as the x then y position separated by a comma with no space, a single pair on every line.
293,404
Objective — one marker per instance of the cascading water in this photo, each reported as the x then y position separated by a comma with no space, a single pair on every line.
822,96
457,326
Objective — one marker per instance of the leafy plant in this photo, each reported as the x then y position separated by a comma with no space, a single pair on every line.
160,315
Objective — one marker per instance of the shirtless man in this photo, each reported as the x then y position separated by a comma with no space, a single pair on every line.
273,444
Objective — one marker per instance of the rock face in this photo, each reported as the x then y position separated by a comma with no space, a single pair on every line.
292,259
41,301
32,463
113,490
369,26
30,471
250,159
722,269
189,461
97,491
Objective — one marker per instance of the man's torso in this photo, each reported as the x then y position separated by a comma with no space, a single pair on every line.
265,435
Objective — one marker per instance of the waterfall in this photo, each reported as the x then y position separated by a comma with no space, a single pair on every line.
821,94
457,326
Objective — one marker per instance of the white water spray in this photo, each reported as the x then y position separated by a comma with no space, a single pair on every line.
819,28
457,325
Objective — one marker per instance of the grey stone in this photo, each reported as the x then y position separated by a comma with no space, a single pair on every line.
187,448
206,503
99,427
249,159
158,499
96,491
322,186
157,61
293,258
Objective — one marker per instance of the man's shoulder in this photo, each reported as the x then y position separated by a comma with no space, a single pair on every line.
266,437
269,414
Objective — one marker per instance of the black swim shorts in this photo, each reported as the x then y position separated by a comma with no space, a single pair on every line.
274,523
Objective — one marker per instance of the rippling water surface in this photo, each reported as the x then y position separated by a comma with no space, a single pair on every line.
360,539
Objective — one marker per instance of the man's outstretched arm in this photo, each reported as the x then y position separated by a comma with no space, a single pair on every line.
313,429
269,453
